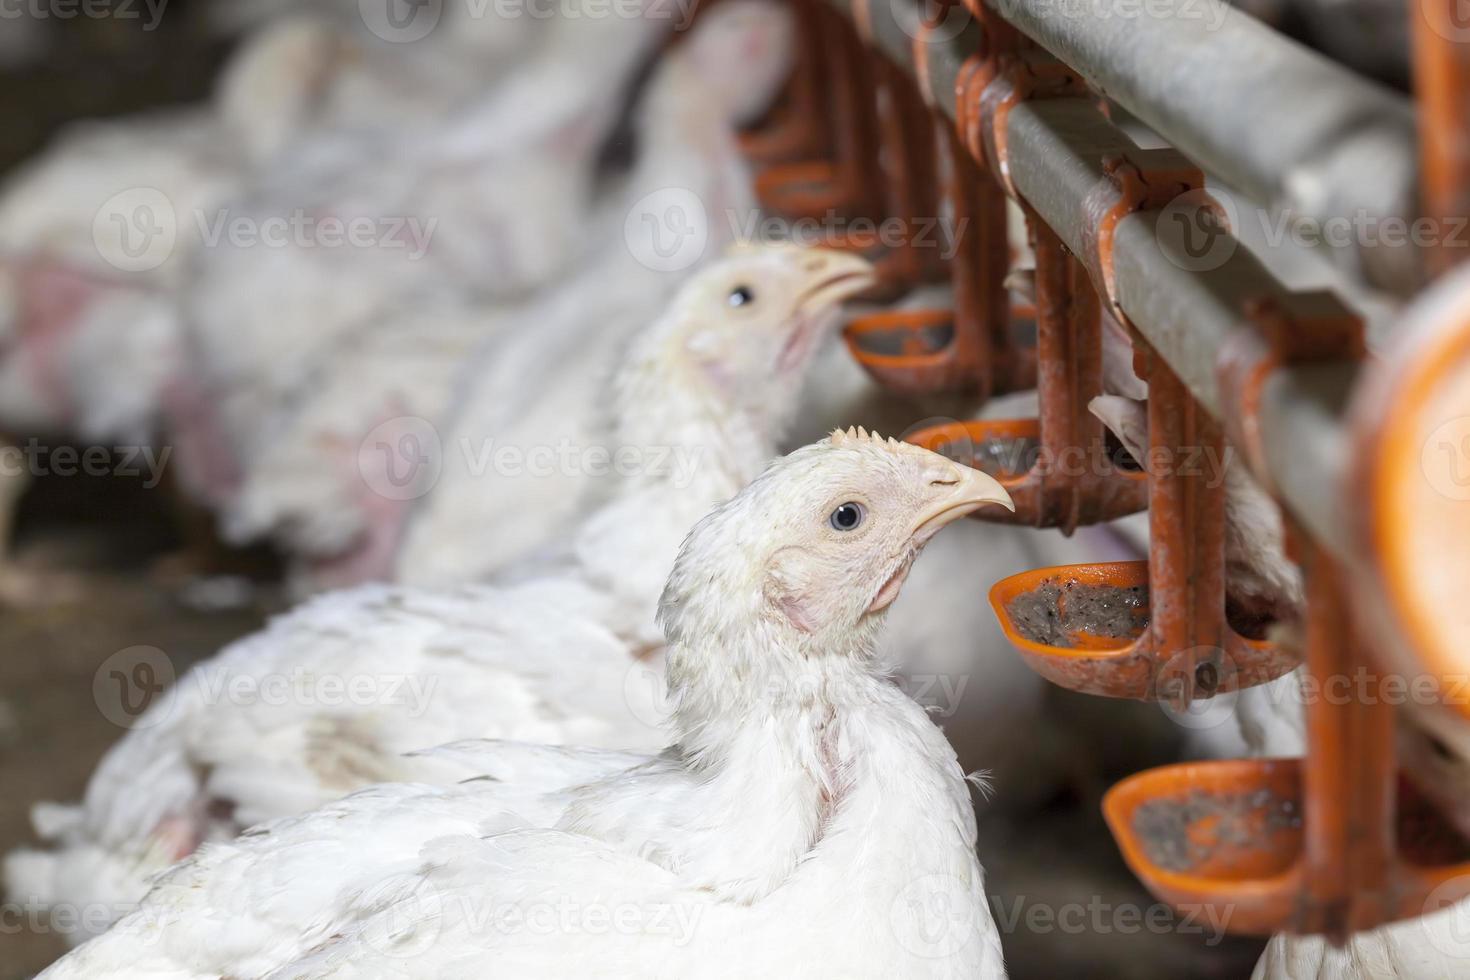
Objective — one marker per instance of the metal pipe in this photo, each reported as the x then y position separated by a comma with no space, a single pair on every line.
1282,124
1339,147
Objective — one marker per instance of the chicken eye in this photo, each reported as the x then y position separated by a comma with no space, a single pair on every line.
741,296
848,517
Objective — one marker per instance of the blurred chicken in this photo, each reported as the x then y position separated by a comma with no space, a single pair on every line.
482,205
243,16
453,30
338,481
94,237
98,235
688,194
1429,948
714,381
91,241
529,374
339,73
808,816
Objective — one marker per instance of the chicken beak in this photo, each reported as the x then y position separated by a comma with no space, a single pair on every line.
955,491
832,276
958,492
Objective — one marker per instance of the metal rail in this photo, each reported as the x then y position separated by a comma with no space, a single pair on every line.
1189,310
1210,79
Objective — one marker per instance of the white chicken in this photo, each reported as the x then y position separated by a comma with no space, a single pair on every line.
702,400
448,30
92,236
95,235
808,820
524,376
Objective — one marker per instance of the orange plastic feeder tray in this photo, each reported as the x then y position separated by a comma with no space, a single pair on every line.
1232,835
1011,451
1086,628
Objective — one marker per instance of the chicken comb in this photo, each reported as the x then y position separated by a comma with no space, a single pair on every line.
857,435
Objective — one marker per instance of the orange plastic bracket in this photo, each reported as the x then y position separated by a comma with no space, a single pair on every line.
1135,180
997,84
1298,328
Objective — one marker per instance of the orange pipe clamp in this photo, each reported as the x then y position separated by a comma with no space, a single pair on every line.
1301,328
1136,180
